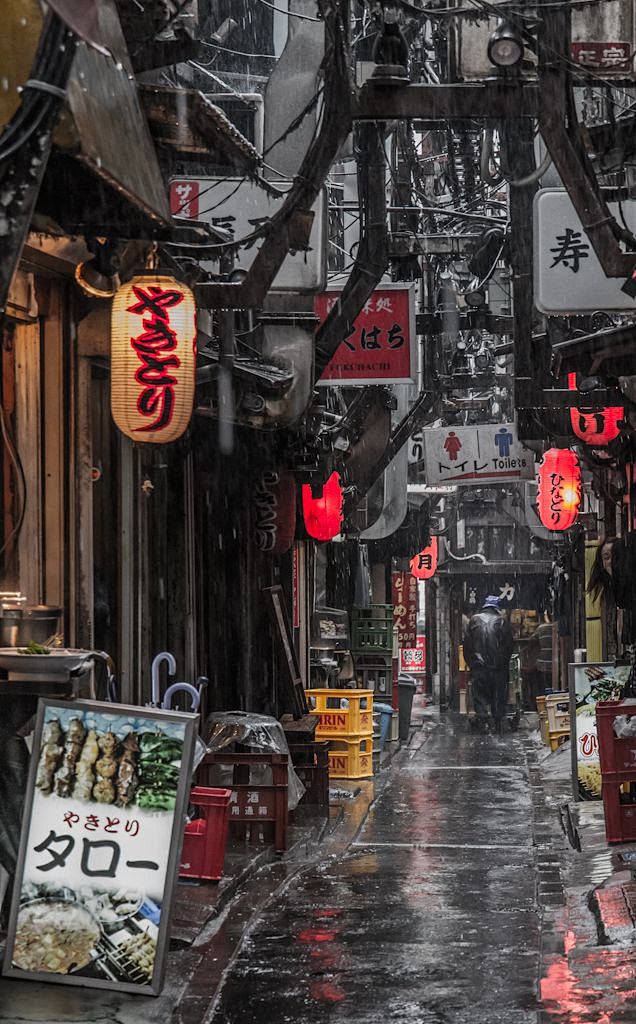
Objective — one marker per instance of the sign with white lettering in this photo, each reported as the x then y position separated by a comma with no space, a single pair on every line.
568,277
488,453
381,346
241,206
100,844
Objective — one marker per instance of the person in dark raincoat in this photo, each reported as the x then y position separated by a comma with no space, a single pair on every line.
487,648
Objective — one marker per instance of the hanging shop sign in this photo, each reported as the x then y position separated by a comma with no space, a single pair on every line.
568,277
596,426
589,683
424,565
242,205
404,597
153,348
100,845
274,512
381,346
476,455
559,492
323,514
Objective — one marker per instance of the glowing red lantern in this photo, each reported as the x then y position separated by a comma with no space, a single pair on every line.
559,497
597,427
424,565
323,515
153,350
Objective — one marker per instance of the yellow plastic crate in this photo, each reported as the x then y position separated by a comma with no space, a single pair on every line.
558,738
557,707
351,759
345,713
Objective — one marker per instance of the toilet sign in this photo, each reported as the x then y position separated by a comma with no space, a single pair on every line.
476,455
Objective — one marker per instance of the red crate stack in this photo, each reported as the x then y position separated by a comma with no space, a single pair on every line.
617,756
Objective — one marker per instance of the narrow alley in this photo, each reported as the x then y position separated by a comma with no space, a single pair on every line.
429,918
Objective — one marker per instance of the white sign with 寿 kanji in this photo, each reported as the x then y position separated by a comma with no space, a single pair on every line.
489,453
568,277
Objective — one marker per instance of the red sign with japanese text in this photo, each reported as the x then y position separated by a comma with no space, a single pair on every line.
381,345
404,595
611,56
184,199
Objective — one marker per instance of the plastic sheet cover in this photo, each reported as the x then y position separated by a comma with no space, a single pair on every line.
259,733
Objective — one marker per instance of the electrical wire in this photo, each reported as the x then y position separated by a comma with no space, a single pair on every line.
240,53
291,14
297,121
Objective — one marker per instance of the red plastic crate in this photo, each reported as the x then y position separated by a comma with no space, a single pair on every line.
617,755
204,840
620,819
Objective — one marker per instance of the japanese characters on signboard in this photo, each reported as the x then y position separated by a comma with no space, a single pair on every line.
404,595
469,455
589,683
413,659
605,55
381,344
568,277
100,842
243,206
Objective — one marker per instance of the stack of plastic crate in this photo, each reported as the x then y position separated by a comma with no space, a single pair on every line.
372,648
617,755
346,721
557,706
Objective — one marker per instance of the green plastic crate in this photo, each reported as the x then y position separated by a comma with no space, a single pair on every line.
372,629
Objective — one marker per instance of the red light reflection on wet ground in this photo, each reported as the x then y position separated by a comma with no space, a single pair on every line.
327,957
316,935
584,985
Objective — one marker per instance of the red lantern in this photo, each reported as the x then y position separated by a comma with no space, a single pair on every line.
323,516
559,497
152,360
424,565
597,427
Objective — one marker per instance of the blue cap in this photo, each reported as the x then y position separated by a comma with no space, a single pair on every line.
492,601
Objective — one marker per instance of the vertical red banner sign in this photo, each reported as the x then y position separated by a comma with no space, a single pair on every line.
404,596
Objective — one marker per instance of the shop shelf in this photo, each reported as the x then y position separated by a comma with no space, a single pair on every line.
351,758
375,672
345,713
372,629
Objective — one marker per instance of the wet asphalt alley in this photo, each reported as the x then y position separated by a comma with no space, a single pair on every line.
429,917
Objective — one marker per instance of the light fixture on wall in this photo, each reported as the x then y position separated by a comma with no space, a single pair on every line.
98,276
505,46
